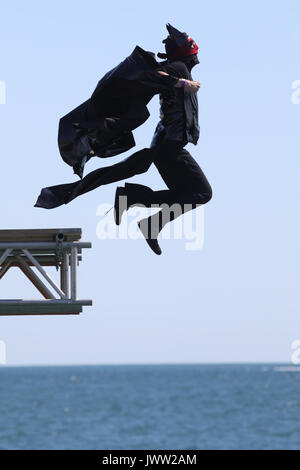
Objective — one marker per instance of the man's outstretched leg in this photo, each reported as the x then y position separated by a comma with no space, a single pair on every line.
55,196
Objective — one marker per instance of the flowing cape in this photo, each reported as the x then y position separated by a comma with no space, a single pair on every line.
104,123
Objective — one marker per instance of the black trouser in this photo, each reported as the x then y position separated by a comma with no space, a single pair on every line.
188,186
55,196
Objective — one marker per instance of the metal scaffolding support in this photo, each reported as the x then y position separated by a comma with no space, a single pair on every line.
37,248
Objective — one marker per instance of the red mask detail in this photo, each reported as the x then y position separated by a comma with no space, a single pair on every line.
189,48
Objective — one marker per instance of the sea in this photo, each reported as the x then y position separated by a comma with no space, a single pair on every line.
232,406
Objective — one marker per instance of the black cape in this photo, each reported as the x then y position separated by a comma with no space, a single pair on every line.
104,123
118,105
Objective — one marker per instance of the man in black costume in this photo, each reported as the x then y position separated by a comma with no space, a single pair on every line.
188,186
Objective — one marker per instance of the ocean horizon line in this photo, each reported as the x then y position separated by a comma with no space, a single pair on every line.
137,364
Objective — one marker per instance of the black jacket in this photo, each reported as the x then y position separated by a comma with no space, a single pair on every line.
178,109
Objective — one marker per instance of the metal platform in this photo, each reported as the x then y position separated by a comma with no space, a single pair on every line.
26,249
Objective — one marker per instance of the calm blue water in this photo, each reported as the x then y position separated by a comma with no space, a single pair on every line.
150,407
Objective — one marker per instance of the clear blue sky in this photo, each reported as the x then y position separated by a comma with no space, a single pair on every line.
238,298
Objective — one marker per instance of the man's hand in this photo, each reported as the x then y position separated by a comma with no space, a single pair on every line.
190,85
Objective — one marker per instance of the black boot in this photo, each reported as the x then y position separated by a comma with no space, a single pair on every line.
151,239
120,205
130,195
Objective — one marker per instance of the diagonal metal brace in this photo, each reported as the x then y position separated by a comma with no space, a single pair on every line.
6,253
46,275
5,267
36,281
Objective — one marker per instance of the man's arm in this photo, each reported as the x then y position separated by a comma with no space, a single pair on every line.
170,76
190,85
